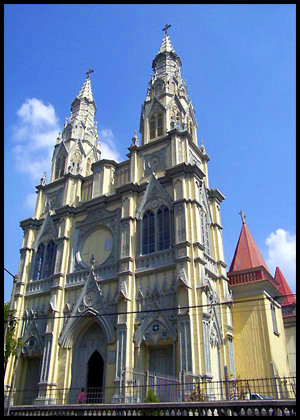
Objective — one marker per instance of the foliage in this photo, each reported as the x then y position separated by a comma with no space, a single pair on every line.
11,344
152,398
198,393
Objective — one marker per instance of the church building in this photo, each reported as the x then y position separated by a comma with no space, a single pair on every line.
122,270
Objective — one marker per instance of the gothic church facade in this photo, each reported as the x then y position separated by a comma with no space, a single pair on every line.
122,266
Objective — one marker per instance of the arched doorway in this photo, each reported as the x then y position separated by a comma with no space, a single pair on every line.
95,372
88,362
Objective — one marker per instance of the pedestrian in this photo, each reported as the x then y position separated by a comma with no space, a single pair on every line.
82,397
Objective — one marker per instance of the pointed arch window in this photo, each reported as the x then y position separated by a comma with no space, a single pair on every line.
60,166
37,274
88,167
49,259
156,125
156,230
163,227
205,232
44,260
148,232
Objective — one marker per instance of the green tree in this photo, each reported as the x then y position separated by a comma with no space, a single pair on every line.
11,344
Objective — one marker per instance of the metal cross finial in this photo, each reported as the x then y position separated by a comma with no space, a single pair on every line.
167,26
92,261
89,72
243,216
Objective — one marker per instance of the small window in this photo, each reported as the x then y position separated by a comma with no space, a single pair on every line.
60,167
159,125
156,125
274,319
152,127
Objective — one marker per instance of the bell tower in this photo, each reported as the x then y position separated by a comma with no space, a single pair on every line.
167,105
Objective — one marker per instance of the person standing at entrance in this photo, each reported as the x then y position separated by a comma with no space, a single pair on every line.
82,397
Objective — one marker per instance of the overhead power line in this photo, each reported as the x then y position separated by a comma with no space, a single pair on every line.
208,305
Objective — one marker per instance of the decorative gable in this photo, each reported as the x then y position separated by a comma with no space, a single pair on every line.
90,302
48,231
154,196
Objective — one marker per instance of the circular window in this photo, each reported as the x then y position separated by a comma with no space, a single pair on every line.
97,246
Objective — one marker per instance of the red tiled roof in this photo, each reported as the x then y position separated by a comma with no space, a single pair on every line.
284,288
246,254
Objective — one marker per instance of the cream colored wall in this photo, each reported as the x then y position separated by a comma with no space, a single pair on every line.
290,334
251,345
255,344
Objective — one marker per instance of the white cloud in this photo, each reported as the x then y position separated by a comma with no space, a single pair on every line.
35,133
282,254
107,145
34,113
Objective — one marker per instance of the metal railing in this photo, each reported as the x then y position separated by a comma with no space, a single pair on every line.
187,388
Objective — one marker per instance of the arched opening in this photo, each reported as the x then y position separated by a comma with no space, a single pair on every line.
95,378
31,366
88,363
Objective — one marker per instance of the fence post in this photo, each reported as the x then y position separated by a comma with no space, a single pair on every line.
274,380
226,383
147,382
182,385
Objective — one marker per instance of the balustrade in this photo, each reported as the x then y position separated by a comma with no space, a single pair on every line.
157,259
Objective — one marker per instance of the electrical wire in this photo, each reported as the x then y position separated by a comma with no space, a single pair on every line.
209,305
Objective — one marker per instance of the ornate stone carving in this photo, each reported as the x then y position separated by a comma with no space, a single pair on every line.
155,161
54,200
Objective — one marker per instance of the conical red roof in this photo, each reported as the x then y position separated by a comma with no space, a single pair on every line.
246,254
284,288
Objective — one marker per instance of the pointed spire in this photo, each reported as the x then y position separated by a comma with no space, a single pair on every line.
284,288
166,62
246,255
86,90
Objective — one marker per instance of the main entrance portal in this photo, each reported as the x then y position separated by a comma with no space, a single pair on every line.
95,378
88,364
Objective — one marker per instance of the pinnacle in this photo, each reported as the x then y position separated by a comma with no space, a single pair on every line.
166,45
86,90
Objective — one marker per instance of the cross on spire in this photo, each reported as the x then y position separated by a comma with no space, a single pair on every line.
167,26
89,72
243,216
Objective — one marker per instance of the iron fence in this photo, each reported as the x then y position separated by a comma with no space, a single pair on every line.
135,387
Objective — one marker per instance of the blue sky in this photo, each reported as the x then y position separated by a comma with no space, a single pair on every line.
240,66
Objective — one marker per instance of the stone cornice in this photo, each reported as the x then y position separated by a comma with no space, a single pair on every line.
186,169
216,195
